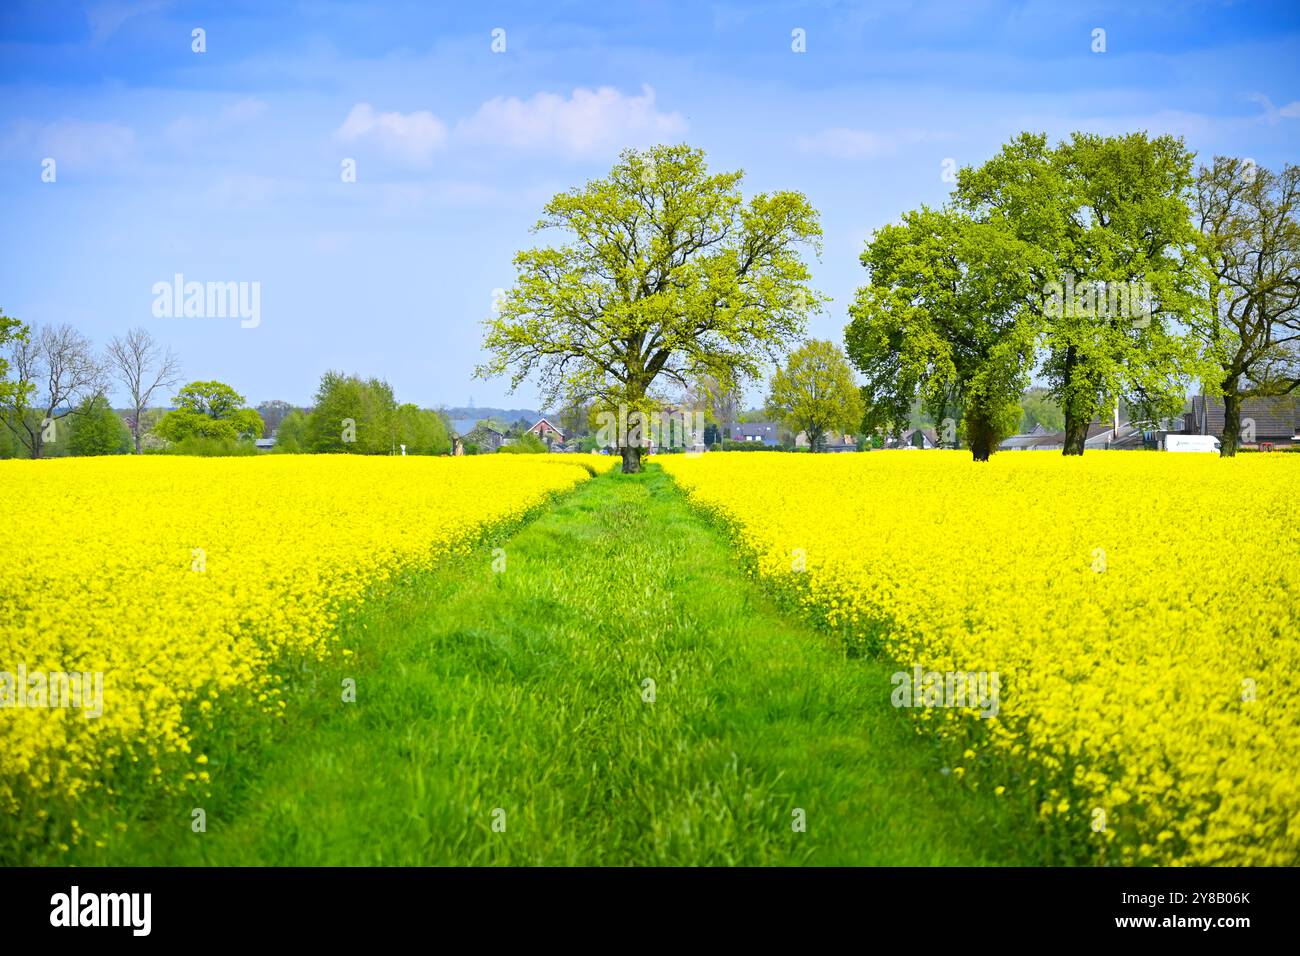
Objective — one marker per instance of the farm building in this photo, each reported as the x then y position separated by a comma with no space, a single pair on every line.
547,432
1274,421
765,432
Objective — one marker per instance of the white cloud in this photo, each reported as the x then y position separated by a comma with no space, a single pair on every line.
843,143
72,142
1273,113
410,137
587,122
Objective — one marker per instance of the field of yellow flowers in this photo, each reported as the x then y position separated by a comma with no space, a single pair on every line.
1141,613
181,580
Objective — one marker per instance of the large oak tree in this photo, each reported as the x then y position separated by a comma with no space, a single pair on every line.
1108,214
666,274
949,318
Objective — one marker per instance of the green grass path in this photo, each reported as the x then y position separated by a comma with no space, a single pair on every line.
523,691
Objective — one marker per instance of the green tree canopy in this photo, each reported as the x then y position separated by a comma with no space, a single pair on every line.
353,415
291,434
815,393
668,275
422,430
1039,408
98,430
1119,268
209,410
948,317
12,393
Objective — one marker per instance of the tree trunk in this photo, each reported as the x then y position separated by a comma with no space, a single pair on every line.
631,459
1076,432
979,435
1231,436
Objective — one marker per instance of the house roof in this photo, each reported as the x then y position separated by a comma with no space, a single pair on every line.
549,424
754,429
931,436
1277,417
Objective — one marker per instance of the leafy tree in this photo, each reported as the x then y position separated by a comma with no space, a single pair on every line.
422,431
141,367
815,392
1037,407
98,430
291,435
1250,218
948,317
209,410
668,275
55,369
11,332
1110,216
528,444
354,416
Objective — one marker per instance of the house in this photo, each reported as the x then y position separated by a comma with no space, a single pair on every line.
1023,441
915,438
1121,436
1274,421
840,443
547,432
765,432
833,442
264,444
486,436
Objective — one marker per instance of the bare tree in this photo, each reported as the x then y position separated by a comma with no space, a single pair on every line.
721,401
1250,217
56,369
141,366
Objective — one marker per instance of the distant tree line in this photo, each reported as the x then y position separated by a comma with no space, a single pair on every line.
54,403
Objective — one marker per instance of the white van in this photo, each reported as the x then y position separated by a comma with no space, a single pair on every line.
1192,443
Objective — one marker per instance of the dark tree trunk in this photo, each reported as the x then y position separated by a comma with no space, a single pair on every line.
631,459
1231,436
980,437
1076,431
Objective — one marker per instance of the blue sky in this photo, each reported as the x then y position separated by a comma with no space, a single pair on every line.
226,165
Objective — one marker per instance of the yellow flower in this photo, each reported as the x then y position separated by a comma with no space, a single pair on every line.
182,580
1139,610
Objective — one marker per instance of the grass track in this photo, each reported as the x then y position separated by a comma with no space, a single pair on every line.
522,691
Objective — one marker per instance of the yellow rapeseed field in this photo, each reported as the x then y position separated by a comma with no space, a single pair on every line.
1141,611
182,579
